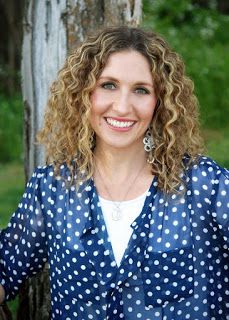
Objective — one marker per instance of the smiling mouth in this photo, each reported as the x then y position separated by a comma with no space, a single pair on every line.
119,124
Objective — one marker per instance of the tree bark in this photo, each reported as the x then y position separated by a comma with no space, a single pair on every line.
51,29
5,313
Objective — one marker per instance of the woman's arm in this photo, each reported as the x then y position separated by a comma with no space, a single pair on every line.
23,243
2,294
210,190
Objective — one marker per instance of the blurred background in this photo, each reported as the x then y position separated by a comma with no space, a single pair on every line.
197,29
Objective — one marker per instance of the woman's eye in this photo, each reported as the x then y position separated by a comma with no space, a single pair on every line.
108,85
142,91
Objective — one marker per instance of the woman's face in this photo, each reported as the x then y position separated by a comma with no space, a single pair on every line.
123,101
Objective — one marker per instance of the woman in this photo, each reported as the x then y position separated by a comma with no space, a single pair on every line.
131,219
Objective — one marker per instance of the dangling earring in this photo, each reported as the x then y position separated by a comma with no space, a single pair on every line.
149,145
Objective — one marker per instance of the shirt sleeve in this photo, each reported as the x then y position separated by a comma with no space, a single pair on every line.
23,243
210,190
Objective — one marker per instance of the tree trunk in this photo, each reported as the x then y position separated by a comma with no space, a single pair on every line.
5,313
51,29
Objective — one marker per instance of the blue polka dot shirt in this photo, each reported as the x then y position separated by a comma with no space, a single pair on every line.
175,267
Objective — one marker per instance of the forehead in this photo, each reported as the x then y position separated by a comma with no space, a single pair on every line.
130,62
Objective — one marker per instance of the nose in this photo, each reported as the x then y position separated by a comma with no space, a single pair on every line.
122,104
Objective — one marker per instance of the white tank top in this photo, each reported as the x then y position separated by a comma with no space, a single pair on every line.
119,231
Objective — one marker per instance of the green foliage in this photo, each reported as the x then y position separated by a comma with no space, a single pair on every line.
9,79
12,183
199,35
13,306
172,12
11,128
217,144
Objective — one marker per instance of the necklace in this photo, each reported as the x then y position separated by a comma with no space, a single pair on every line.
117,211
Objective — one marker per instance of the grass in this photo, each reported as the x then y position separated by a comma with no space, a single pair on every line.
12,183
11,187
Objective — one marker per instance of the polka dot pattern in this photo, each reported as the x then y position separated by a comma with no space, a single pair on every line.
176,265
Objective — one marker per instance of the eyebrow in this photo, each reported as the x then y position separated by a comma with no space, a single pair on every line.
139,83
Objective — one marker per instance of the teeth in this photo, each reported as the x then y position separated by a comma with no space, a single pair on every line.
119,124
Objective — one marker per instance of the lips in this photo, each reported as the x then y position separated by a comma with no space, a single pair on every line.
119,123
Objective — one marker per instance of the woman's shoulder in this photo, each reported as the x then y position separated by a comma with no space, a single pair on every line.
206,172
51,170
205,166
49,175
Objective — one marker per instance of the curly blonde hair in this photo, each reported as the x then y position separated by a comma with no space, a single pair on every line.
67,134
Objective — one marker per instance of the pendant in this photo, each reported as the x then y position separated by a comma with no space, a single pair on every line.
116,214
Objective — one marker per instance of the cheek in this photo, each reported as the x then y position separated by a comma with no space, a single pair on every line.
148,110
97,104
97,109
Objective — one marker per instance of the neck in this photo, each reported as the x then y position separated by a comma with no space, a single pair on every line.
121,174
120,163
